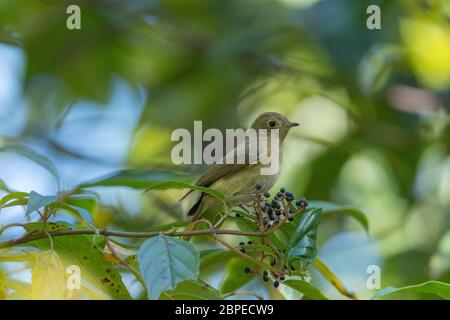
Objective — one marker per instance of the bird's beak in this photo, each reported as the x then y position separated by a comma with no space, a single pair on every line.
293,124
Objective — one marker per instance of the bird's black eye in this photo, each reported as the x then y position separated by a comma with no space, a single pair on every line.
272,123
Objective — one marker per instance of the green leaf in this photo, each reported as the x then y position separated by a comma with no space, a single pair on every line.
11,196
18,202
34,156
259,247
437,288
210,257
245,223
235,276
82,205
302,244
37,201
80,250
169,226
76,211
88,202
3,186
179,184
192,290
165,261
306,288
138,179
332,208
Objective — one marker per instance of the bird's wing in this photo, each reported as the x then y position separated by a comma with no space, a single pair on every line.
218,171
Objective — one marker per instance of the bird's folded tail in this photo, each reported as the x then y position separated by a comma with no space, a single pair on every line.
195,212
195,207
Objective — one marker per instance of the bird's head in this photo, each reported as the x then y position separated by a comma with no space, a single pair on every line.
274,120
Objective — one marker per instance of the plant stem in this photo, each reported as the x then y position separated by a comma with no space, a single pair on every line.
115,233
125,263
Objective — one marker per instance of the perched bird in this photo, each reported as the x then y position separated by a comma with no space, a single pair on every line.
236,180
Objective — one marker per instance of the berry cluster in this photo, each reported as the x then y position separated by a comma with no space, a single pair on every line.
270,214
267,275
281,207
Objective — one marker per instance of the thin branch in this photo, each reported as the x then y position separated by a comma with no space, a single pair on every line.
125,263
250,258
124,234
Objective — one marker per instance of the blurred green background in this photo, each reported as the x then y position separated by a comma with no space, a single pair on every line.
374,108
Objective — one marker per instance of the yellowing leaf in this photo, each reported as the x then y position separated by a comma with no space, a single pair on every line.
47,277
122,252
2,286
93,294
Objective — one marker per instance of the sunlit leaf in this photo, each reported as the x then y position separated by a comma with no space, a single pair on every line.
306,288
3,292
437,288
332,278
48,277
11,196
165,261
133,178
81,250
18,202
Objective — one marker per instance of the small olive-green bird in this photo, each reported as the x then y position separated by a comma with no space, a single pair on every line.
236,180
